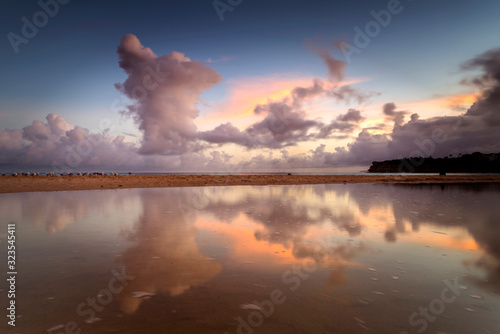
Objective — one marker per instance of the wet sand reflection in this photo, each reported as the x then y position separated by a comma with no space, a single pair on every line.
345,257
166,258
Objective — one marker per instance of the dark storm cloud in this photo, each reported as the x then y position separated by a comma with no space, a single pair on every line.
488,103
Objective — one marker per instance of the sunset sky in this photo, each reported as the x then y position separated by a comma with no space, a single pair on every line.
240,85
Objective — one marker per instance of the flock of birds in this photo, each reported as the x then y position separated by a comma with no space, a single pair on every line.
63,174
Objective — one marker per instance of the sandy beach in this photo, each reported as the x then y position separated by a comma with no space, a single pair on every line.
11,184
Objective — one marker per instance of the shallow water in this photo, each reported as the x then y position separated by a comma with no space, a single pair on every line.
273,259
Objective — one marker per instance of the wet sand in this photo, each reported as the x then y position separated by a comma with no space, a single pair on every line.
11,184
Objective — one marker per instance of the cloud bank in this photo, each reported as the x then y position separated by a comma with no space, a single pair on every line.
164,92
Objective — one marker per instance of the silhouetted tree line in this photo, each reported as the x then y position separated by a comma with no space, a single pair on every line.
469,163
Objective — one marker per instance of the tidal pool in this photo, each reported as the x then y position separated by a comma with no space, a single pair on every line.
359,258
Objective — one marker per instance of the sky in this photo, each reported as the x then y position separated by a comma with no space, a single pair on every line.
235,85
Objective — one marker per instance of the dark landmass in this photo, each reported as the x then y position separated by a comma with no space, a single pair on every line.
468,163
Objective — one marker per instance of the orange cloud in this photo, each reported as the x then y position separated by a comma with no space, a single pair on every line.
439,106
245,248
425,108
246,93
456,238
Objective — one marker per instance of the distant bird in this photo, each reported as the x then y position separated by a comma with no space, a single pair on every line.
14,174
129,173
3,174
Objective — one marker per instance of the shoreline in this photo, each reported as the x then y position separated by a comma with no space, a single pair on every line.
15,184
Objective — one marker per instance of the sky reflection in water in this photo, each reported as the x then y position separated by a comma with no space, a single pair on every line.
311,259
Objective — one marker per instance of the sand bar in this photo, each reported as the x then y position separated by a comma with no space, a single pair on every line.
10,184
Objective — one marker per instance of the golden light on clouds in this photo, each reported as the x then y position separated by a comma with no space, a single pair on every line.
439,106
246,93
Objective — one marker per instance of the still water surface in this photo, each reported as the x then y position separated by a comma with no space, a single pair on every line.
275,259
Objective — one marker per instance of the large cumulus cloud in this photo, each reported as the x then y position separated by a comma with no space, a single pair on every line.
165,90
